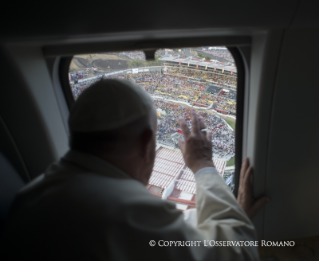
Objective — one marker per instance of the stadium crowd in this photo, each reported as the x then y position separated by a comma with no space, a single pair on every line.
78,88
216,78
178,87
168,128
175,86
133,55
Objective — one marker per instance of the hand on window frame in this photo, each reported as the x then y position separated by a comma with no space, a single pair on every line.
245,192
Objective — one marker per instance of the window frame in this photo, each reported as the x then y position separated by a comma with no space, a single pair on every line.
239,134
64,80
64,65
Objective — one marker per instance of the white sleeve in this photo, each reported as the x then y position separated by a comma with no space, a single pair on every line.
190,216
219,216
219,219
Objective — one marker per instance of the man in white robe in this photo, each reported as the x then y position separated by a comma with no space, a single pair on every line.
93,204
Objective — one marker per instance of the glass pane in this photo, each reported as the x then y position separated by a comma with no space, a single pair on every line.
203,78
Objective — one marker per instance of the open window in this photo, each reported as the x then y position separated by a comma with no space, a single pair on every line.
201,78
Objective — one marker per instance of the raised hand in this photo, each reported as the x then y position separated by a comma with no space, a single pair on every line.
196,146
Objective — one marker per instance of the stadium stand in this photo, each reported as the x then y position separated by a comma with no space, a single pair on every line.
172,180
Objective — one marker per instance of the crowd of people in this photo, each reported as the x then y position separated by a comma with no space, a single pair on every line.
78,88
180,88
225,104
162,52
186,86
133,55
149,81
223,80
176,86
168,131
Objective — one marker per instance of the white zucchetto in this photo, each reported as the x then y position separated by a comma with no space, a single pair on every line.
108,105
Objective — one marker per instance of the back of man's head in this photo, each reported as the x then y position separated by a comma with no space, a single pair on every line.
110,115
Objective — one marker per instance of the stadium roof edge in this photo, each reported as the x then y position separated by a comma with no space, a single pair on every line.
201,63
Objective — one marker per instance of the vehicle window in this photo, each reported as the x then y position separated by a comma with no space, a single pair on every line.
204,79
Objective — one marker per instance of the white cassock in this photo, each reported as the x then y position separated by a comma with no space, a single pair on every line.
83,208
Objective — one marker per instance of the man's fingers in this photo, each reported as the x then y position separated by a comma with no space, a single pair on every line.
242,172
247,176
244,168
184,127
195,123
259,203
201,123
182,145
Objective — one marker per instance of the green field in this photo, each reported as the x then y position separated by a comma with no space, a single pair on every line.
231,162
231,122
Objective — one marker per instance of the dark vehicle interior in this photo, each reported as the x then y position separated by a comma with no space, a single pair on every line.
275,48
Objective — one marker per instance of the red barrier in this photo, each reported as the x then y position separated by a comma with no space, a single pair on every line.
199,104
222,111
